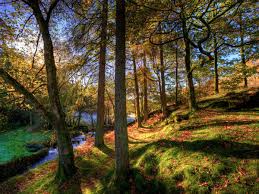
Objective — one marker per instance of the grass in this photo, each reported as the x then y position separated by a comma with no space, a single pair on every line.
12,143
214,151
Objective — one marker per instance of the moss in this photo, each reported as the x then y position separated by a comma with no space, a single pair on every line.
21,164
13,143
198,155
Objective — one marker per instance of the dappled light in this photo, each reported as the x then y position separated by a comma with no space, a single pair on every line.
129,97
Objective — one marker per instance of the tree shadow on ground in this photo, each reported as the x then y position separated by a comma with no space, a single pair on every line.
149,129
221,148
106,150
72,186
216,123
136,183
133,140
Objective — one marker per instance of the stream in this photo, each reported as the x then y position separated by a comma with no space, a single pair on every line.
53,152
76,141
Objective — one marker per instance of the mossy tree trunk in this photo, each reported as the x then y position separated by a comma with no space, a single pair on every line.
66,167
121,134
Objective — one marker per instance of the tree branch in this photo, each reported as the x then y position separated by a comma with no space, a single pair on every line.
51,8
22,90
35,52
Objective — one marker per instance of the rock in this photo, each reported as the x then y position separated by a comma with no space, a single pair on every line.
178,118
220,104
34,147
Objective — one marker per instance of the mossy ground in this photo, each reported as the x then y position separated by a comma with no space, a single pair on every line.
12,143
214,151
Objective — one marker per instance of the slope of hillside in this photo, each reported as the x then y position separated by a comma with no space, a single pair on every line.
215,149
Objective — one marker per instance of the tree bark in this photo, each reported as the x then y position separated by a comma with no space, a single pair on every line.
121,134
176,75
101,84
136,91
192,100
79,118
66,167
242,51
216,76
162,72
145,106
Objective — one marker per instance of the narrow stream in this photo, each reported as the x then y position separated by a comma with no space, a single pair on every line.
76,141
53,152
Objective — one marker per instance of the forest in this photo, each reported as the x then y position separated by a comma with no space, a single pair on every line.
129,96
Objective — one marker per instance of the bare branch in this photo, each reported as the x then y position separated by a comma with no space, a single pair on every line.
25,23
35,52
51,8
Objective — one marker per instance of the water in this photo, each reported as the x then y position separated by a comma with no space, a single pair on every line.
76,141
53,152
88,119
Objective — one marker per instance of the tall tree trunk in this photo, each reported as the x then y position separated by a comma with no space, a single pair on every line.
159,84
66,167
121,134
216,76
242,51
101,84
79,118
92,119
145,106
176,75
192,100
142,102
162,72
136,91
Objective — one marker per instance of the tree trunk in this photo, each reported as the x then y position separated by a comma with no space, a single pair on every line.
101,84
79,118
162,72
121,134
66,167
136,91
31,118
176,75
192,100
145,106
92,120
216,76
242,51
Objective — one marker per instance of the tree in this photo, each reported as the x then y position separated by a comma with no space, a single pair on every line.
66,166
176,74
162,72
136,90
190,22
101,84
145,92
121,134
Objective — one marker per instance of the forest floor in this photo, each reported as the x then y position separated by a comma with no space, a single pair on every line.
214,150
